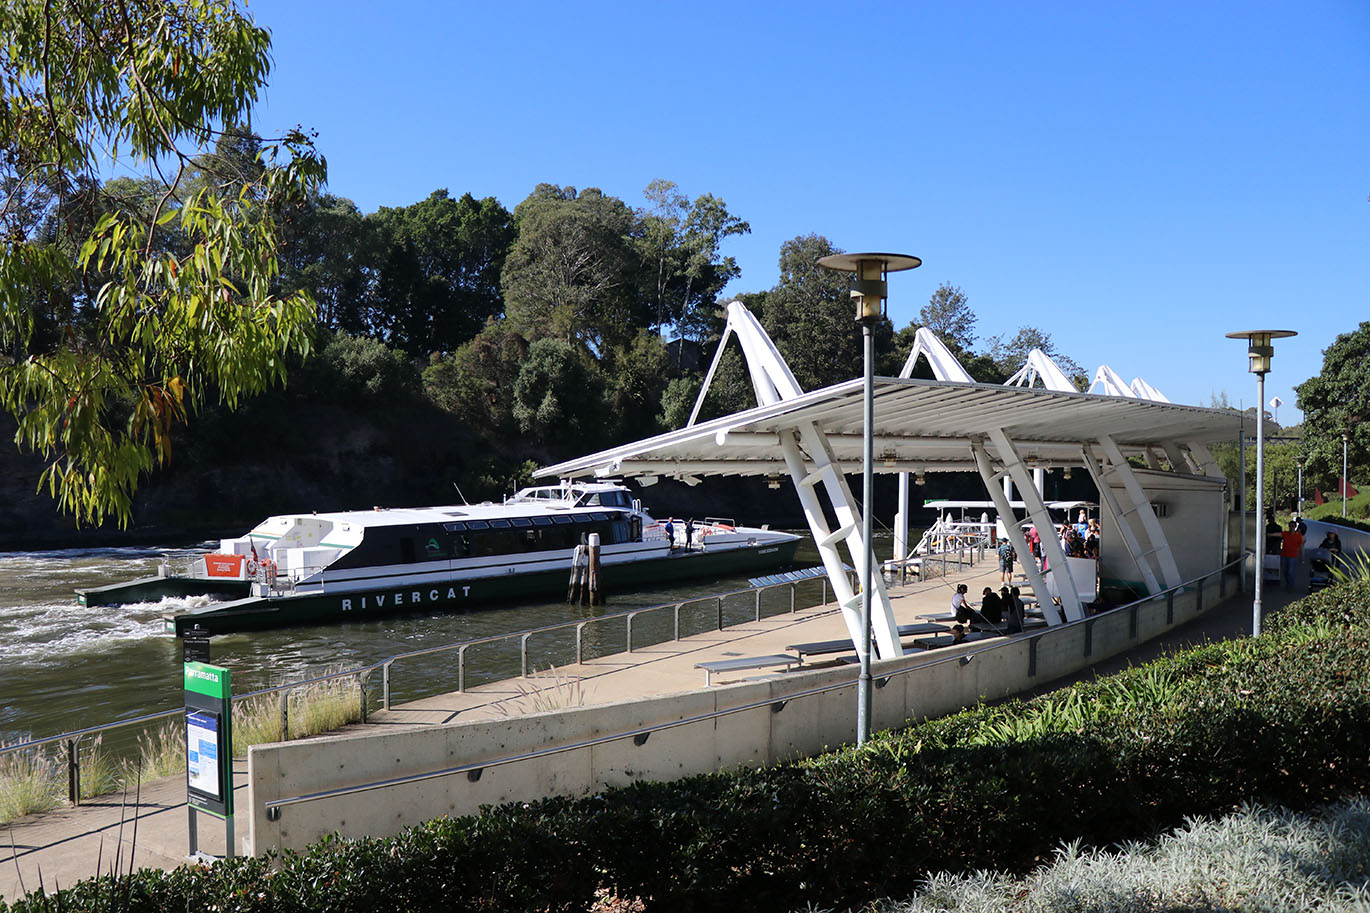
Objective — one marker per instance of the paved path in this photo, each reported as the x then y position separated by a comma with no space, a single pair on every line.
111,834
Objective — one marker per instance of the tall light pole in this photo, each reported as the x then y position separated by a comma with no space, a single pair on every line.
869,291
1299,463
1259,351
1345,439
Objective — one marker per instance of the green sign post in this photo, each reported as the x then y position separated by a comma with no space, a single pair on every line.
209,749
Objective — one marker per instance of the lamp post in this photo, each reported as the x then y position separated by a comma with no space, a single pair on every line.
1345,439
869,291
1259,351
1299,463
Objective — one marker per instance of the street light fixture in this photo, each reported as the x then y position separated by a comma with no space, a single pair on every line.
869,290
1259,351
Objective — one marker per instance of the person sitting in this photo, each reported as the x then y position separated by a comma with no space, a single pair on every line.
1331,542
1013,611
991,607
960,606
958,634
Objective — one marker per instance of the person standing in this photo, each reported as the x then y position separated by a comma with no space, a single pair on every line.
1006,556
1291,548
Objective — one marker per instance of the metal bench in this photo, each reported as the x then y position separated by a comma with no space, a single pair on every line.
820,647
746,662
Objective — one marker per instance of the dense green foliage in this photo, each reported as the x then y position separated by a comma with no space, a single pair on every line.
1337,401
126,306
1284,719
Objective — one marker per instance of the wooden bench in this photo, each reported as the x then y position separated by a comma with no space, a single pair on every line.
745,662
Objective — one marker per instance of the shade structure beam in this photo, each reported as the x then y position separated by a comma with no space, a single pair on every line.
1141,508
985,466
1057,565
1125,529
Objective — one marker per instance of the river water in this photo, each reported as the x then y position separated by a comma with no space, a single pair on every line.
65,667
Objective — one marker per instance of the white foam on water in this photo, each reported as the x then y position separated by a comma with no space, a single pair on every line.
52,632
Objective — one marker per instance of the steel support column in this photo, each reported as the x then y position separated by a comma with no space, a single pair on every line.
1014,531
1057,565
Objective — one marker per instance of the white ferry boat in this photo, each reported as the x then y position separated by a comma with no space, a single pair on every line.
309,568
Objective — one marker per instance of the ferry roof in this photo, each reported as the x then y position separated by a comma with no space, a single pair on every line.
921,426
410,516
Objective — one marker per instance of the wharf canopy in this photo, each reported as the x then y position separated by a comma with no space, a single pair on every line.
953,424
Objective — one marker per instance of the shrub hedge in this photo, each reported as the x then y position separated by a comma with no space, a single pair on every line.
1283,719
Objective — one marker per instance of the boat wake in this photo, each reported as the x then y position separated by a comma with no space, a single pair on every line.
41,633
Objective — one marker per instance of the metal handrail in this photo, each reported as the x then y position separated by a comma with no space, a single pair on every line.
363,672
640,734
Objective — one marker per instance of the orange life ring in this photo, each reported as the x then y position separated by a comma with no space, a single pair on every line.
269,569
252,567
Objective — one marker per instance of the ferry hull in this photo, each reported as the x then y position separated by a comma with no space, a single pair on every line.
260,612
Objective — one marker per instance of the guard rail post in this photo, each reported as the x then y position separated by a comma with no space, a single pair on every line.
283,702
580,642
720,613
74,771
793,587
523,655
629,631
677,621
361,692
461,668
385,685
758,605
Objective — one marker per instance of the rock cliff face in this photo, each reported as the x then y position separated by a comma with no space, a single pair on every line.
230,471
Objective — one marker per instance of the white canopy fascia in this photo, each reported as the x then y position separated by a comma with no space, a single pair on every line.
921,426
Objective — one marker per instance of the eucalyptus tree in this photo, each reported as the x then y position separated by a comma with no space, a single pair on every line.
810,316
435,270
682,268
120,314
572,272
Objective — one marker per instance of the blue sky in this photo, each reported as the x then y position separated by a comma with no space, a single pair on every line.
1136,179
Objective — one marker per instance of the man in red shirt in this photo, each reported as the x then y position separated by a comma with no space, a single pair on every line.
1291,551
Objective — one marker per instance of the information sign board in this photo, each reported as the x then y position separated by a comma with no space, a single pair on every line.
209,738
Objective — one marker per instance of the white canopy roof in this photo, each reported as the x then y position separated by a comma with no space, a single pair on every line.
921,426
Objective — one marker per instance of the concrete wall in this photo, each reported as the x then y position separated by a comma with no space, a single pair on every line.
914,687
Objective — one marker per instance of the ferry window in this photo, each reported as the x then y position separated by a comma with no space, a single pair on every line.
499,524
620,528
461,546
477,524
483,545
406,550
561,519
615,499
521,521
532,540
504,542
542,521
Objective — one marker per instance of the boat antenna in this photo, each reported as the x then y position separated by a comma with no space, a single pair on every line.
460,495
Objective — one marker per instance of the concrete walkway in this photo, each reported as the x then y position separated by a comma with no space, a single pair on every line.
117,834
